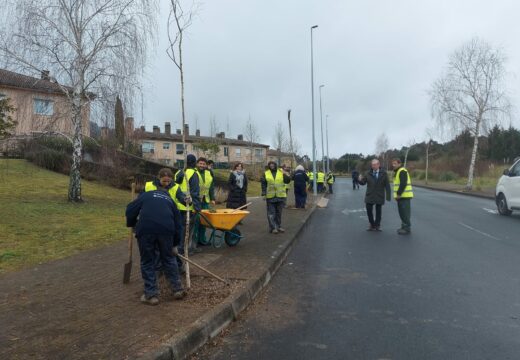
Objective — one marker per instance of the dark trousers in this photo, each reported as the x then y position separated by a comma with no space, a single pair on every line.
320,187
330,189
355,184
300,196
274,212
405,212
148,244
370,213
199,232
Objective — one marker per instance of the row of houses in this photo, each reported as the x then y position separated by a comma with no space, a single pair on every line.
42,106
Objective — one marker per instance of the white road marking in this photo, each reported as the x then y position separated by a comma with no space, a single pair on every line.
352,211
491,211
478,231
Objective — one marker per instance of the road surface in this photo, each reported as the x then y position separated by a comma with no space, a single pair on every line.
451,290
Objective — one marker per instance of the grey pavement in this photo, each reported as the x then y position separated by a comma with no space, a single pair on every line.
451,290
78,308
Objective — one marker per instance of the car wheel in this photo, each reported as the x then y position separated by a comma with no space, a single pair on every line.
502,205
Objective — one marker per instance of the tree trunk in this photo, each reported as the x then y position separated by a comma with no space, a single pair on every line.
427,162
471,173
188,213
77,146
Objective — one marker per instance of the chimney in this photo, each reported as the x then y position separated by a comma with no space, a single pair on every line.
187,129
240,137
45,75
179,132
167,128
197,132
221,135
156,130
143,128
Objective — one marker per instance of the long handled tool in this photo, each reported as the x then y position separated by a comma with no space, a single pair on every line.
203,269
128,266
240,208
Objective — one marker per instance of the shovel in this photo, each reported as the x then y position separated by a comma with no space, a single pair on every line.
203,269
128,266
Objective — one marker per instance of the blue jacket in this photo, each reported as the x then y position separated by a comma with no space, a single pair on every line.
300,179
154,212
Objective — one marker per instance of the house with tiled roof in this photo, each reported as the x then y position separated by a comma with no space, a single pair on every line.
166,147
41,104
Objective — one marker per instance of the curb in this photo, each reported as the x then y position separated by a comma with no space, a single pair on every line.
460,192
209,325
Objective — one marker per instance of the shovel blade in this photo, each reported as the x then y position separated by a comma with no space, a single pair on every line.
127,272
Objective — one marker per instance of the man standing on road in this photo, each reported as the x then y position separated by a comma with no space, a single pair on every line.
300,180
355,177
273,191
378,188
207,197
331,179
320,181
403,194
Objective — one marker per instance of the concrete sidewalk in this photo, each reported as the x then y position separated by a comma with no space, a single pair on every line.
78,308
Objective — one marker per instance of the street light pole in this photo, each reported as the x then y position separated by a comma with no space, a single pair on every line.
314,183
327,134
322,144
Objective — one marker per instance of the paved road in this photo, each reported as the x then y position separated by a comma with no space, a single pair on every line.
451,290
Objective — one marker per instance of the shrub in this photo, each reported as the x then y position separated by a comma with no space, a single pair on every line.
447,176
50,159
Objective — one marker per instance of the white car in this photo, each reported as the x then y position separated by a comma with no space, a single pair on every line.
508,190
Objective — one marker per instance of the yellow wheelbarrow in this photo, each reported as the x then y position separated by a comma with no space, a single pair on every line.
223,225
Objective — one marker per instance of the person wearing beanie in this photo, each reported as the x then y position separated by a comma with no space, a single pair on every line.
274,192
300,179
183,178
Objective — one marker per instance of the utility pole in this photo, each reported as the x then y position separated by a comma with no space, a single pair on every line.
314,183
327,137
322,145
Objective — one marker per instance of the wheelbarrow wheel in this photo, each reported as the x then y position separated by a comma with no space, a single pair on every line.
233,237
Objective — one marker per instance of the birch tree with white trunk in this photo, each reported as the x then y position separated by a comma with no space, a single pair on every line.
471,94
90,47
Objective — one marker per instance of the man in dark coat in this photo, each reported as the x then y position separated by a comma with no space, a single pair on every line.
378,188
300,180
355,179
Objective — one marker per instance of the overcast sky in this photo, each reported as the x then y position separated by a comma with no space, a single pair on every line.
376,58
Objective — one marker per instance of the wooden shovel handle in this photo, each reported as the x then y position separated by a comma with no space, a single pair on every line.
243,206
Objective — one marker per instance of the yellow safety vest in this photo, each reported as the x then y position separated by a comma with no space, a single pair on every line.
330,179
275,186
310,174
408,191
184,187
320,177
150,186
205,184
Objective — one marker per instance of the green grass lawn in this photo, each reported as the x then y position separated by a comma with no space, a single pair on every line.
38,224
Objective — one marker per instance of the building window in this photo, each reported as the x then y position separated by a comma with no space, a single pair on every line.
148,147
238,152
43,107
166,146
226,151
178,149
258,153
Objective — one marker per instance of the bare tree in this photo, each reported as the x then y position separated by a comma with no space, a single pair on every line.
251,136
471,94
92,46
408,147
381,144
280,141
178,21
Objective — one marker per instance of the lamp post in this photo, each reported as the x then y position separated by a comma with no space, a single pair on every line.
327,137
322,144
314,183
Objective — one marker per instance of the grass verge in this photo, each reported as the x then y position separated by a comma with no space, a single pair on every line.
38,224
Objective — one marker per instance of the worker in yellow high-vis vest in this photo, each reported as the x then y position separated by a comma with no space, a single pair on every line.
310,175
403,194
207,197
274,193
183,178
320,181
